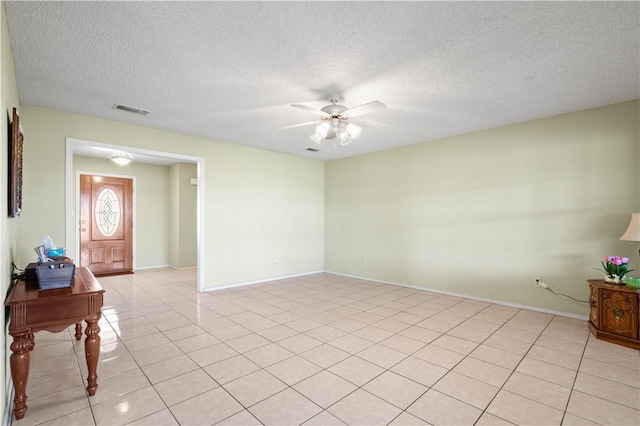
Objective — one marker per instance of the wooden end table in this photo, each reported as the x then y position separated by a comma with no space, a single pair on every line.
53,310
614,313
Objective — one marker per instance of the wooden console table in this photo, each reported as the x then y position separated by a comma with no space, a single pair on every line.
53,310
613,313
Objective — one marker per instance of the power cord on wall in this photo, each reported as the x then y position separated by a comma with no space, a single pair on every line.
545,286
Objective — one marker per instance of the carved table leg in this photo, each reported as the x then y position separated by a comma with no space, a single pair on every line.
78,331
20,359
32,340
92,352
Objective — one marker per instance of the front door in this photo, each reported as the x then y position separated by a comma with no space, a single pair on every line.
106,224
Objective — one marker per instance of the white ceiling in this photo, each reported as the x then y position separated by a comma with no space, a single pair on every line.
230,70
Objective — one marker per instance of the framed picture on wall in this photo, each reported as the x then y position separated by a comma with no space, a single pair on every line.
15,166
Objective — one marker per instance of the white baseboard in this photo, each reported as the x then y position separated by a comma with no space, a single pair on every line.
433,290
466,296
183,268
141,268
266,280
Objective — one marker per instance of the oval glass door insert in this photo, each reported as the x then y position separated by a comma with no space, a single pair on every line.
107,212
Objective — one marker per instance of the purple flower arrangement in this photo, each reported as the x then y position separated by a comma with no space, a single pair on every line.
615,266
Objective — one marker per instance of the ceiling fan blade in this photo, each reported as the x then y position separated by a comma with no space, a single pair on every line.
364,109
372,124
312,110
293,126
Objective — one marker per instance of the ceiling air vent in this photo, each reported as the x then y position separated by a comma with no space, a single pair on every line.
312,150
134,110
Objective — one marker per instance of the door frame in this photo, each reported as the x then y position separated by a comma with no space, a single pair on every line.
71,228
133,213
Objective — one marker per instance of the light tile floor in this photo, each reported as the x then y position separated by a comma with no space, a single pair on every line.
327,350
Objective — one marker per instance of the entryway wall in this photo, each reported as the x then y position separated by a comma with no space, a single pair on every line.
183,197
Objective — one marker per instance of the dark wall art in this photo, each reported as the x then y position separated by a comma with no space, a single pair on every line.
15,166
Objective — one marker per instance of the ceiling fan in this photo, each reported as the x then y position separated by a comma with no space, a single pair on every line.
335,120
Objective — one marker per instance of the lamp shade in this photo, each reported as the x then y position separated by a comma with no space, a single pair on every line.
633,231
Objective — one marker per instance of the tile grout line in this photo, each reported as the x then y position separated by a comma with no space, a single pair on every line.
521,360
575,379
137,363
309,308
465,357
264,369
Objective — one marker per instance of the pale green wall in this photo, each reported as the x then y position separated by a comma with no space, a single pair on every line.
174,215
9,99
152,206
186,223
183,217
259,204
485,213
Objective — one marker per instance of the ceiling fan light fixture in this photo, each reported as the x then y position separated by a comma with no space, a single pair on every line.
345,138
353,130
121,158
336,128
336,118
322,130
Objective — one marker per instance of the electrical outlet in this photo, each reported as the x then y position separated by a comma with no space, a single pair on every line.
275,260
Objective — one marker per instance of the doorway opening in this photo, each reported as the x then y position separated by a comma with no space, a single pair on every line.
141,156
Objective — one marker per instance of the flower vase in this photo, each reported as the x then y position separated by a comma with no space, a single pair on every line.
612,279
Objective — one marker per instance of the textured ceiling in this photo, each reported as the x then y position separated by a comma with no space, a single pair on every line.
230,70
